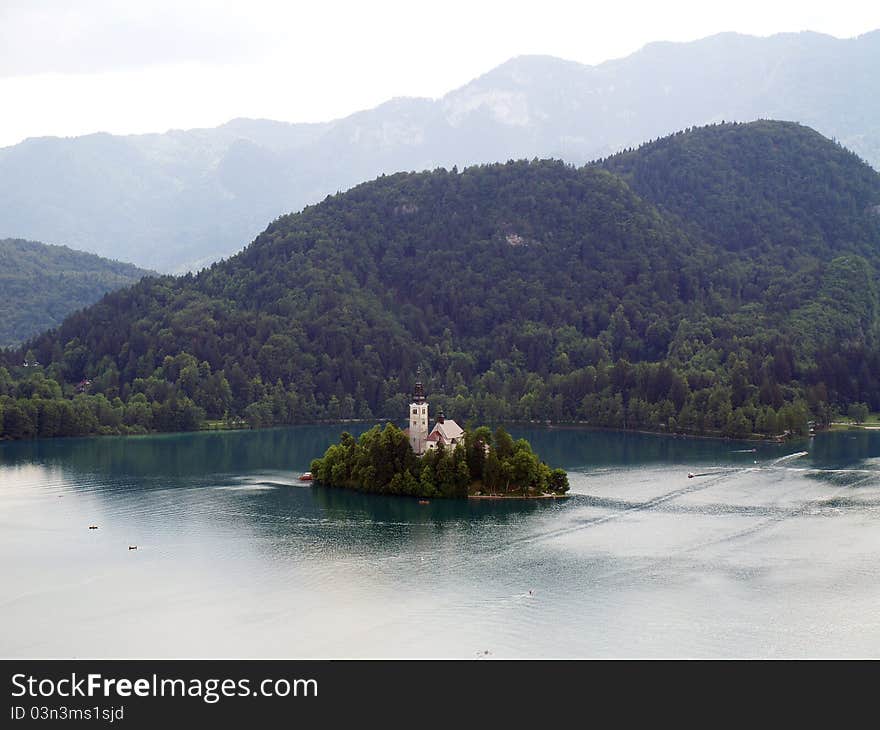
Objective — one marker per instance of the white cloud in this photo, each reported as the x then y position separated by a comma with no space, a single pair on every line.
94,36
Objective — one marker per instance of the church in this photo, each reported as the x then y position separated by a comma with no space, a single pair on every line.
445,431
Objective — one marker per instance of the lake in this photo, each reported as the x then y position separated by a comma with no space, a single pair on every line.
771,553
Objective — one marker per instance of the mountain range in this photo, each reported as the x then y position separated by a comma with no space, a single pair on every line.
182,199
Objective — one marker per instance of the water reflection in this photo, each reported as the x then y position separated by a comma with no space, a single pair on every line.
379,509
237,558
181,455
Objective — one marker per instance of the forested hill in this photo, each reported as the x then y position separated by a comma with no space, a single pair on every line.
765,186
524,290
40,285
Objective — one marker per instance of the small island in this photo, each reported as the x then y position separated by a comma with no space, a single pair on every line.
448,462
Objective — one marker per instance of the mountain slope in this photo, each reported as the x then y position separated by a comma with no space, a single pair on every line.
40,285
406,261
802,213
182,199
525,290
750,186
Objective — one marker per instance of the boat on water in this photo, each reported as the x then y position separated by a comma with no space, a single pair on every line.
306,476
424,501
691,475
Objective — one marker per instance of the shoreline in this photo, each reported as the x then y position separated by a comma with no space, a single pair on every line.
543,425
583,425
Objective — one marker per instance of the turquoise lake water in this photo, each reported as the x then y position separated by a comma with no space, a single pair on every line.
771,553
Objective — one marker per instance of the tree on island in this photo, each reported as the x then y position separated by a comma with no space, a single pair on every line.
382,461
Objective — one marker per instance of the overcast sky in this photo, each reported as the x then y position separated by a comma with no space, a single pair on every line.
73,67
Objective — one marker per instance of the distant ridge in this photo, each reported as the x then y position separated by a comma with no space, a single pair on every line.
184,198
41,284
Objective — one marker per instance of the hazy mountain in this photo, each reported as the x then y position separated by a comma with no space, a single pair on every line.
40,285
184,198
720,280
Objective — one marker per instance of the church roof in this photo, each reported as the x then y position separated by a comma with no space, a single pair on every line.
448,430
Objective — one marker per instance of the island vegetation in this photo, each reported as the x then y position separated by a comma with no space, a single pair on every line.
382,461
721,281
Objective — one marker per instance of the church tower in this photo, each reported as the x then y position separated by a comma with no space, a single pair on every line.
418,417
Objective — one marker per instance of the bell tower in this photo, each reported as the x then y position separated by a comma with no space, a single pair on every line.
418,417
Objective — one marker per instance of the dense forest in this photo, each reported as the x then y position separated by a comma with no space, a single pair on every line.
382,461
40,285
721,280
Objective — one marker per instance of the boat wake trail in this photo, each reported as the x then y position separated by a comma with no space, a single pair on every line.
829,503
719,477
789,457
833,500
807,508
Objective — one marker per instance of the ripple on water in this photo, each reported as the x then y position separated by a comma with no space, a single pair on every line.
235,557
